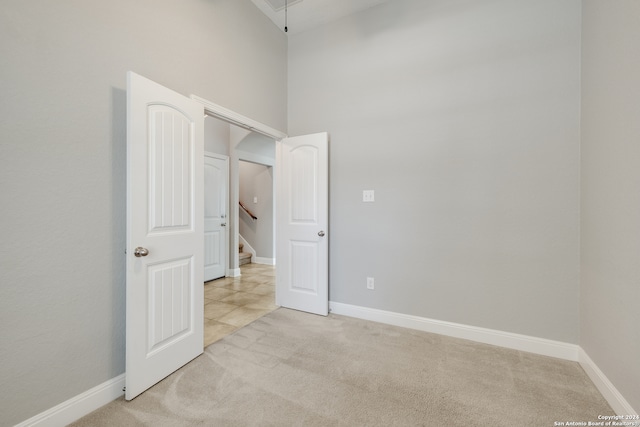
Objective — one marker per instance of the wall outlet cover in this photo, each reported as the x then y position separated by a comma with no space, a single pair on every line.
370,283
368,196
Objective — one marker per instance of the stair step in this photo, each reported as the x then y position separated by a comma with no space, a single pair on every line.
245,258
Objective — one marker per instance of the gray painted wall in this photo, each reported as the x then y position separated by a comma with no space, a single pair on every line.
256,180
248,146
609,313
217,134
62,166
463,116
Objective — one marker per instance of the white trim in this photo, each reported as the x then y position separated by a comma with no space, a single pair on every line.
247,247
487,336
87,402
78,406
216,155
510,340
246,156
618,403
265,261
233,272
227,115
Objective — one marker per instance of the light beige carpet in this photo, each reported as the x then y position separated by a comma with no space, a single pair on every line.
295,369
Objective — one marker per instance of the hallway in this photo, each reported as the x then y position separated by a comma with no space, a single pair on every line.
233,302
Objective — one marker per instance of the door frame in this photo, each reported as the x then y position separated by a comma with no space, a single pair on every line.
234,118
214,110
246,123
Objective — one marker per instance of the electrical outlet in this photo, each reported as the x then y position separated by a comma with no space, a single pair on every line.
368,196
255,199
370,284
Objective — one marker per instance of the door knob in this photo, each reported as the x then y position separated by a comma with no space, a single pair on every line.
140,251
321,233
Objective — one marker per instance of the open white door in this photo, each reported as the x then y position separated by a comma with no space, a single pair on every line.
165,233
302,217
216,241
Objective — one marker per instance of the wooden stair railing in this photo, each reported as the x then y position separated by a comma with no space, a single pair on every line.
253,217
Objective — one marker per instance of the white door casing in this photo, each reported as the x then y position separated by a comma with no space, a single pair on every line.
165,216
216,240
302,217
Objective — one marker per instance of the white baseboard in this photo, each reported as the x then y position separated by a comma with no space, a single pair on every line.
473,333
510,340
617,402
79,406
262,260
87,402
233,272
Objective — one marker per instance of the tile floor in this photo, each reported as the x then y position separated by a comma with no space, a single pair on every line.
233,302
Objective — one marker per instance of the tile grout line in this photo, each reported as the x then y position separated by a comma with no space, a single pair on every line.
240,298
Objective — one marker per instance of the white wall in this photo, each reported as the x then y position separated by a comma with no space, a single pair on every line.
610,293
62,166
463,116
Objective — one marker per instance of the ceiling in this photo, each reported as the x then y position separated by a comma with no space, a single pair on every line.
304,15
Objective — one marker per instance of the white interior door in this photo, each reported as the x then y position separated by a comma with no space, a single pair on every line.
302,217
216,173
165,233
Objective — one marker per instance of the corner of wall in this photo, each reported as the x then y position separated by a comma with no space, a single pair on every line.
617,402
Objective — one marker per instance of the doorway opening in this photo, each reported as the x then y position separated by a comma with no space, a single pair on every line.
231,303
256,213
242,293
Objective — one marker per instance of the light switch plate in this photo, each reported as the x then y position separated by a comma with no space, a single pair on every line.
368,196
370,283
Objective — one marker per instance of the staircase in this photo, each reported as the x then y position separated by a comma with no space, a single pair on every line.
244,257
